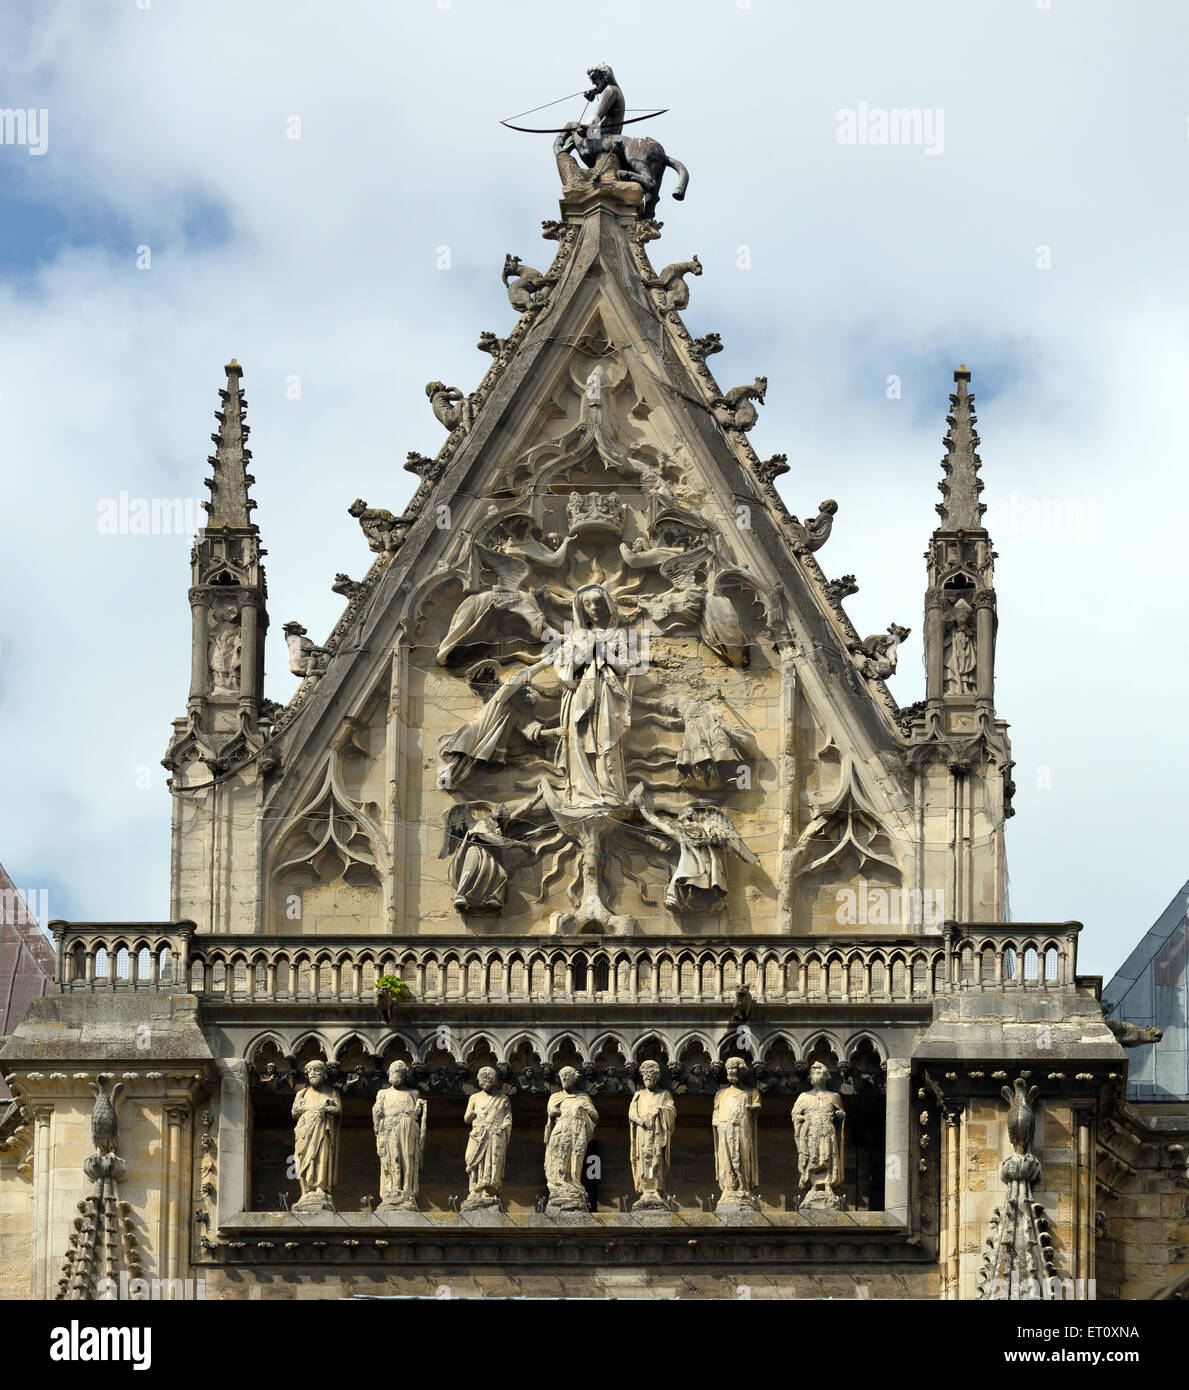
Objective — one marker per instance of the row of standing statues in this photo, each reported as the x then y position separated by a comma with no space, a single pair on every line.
400,1119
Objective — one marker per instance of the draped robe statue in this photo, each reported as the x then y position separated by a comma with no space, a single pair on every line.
592,666
736,1156
399,1117
489,1116
317,1110
818,1120
652,1117
508,709
570,1121
960,660
471,842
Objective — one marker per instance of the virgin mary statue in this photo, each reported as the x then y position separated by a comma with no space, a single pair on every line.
592,666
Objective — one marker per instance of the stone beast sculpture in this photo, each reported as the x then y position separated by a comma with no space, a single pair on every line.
641,159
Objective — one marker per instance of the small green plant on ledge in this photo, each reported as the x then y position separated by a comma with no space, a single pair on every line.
391,988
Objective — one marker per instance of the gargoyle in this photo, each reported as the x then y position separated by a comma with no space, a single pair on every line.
647,229
706,346
876,655
770,469
1132,1035
838,589
420,465
345,585
814,533
488,342
383,530
735,411
528,287
674,292
305,657
449,404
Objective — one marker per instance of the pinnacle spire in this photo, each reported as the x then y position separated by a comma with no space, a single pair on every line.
960,509
230,504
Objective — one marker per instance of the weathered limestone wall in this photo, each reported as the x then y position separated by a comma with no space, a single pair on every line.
1143,1250
16,1223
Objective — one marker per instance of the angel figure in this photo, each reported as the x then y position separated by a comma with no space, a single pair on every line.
473,834
690,601
711,754
508,709
526,541
481,614
702,834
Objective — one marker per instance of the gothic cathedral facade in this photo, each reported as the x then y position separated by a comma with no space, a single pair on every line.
592,921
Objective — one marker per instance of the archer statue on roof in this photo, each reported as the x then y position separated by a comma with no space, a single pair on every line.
640,159
609,114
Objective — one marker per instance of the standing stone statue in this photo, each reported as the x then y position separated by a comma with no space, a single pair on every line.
489,1116
818,1121
652,1117
736,1154
399,1117
960,659
570,1121
317,1110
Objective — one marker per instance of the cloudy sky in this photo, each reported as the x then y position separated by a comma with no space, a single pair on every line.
1038,236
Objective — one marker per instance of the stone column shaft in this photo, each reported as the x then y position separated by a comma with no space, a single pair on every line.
897,1129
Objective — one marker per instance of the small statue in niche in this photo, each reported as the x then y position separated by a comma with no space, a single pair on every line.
652,1117
736,1151
489,1117
471,841
711,754
399,1118
225,647
481,614
570,1121
960,653
317,1110
818,1125
508,709
703,834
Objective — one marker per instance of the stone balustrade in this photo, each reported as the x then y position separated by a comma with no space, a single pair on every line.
159,956
1012,955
